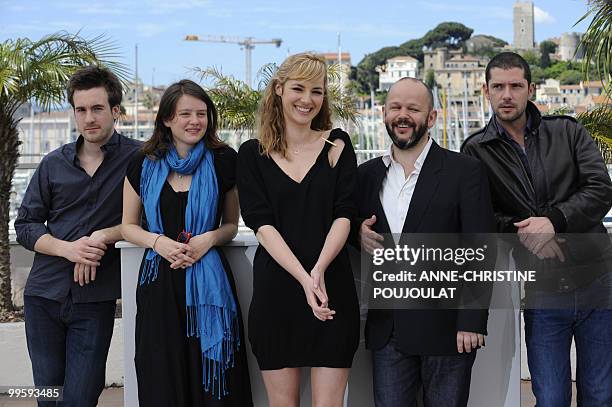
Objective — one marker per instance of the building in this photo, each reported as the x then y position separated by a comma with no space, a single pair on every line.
459,78
460,74
575,98
569,47
524,27
436,59
549,93
42,132
396,68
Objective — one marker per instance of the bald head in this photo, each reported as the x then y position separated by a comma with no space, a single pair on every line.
412,85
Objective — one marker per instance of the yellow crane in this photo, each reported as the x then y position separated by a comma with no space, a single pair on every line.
247,44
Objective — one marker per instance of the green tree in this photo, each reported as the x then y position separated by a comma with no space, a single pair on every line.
430,78
537,74
447,34
36,71
531,57
570,77
556,69
546,48
597,44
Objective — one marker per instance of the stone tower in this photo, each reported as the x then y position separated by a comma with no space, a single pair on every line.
524,29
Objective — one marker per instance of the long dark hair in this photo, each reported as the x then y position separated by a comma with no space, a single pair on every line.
159,143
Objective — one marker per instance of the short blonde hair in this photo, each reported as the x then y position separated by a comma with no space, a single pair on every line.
270,121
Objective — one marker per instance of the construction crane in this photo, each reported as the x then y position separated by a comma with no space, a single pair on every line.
247,44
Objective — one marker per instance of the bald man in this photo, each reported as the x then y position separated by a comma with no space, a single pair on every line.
419,187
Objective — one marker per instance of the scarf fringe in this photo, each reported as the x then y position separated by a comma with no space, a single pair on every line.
150,269
217,357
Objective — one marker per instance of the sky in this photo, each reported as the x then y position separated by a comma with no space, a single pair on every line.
158,27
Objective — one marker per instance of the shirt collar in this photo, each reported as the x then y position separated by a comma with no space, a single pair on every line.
388,156
111,145
501,130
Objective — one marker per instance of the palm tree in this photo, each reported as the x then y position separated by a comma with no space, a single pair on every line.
238,102
36,71
597,45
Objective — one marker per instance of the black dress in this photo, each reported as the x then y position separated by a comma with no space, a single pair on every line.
168,363
282,328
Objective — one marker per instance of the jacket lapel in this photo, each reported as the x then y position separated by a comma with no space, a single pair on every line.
380,172
425,188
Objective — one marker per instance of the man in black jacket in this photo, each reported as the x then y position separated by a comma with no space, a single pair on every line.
419,187
548,177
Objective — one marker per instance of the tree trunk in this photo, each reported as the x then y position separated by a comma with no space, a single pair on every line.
9,151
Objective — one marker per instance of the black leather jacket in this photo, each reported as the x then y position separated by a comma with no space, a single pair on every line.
570,183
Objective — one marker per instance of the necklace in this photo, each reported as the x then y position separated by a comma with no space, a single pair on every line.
296,150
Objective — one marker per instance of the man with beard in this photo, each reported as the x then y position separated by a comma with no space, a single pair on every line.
419,187
548,177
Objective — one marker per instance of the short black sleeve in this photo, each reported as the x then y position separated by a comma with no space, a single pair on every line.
225,166
345,199
134,169
254,205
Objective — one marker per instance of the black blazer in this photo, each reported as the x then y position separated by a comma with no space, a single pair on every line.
451,196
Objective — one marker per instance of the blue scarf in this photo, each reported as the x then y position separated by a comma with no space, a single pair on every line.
211,309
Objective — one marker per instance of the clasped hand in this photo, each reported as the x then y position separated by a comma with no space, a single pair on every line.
86,254
537,234
316,294
183,255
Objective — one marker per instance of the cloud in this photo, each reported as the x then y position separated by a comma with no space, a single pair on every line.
482,12
370,29
21,28
97,8
542,17
165,6
150,29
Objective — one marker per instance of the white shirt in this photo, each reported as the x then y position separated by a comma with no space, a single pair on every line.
397,190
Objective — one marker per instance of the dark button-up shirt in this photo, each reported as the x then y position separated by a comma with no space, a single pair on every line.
64,201
532,163
520,150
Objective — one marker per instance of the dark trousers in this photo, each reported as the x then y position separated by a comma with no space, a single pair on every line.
548,335
584,315
398,378
68,345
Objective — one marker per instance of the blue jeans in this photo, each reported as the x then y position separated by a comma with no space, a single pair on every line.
68,344
398,377
548,336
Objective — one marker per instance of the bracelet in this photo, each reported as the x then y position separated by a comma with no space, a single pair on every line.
155,241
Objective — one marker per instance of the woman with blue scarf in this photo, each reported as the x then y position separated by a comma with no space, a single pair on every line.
189,345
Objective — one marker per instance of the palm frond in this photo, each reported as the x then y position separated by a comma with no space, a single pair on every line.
236,101
597,41
599,123
265,74
40,69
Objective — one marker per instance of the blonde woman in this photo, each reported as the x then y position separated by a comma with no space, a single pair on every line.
296,184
